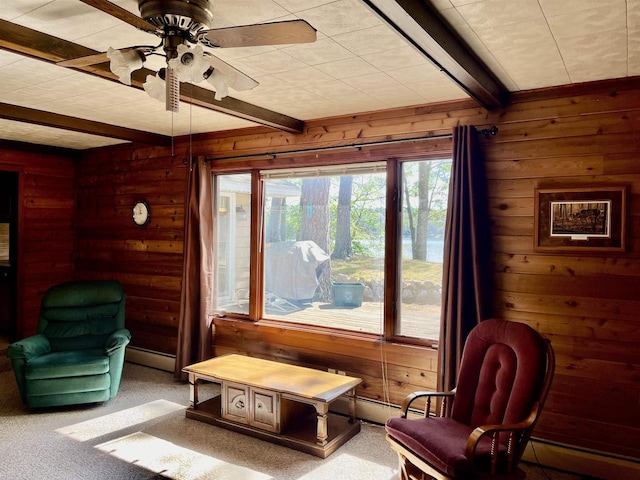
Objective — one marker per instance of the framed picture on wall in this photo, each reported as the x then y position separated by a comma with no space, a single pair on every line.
580,219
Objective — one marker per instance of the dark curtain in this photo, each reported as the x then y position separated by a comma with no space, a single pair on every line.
467,277
196,302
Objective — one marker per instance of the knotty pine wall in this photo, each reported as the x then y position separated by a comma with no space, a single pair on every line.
147,260
46,225
587,305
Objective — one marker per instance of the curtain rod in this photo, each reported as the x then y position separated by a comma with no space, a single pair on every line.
485,131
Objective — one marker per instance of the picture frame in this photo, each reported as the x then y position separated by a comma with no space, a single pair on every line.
585,219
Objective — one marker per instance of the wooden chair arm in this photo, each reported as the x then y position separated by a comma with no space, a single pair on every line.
513,430
409,399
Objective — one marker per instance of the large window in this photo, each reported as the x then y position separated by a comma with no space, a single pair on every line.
355,247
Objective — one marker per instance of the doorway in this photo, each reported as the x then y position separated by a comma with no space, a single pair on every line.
8,256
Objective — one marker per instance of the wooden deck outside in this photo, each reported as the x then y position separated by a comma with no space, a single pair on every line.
422,321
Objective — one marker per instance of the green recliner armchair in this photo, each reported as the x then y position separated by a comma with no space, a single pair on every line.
78,354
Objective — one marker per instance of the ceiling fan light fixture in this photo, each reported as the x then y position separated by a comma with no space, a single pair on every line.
155,86
190,64
123,63
220,82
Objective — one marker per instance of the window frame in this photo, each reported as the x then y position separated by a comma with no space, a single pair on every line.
394,155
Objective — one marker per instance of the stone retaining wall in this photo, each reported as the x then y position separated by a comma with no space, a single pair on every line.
421,293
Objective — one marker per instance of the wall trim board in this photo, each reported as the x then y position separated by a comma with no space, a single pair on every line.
538,452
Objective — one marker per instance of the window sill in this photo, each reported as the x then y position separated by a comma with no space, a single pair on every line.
243,322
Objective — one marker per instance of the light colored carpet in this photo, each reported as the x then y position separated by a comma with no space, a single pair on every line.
143,434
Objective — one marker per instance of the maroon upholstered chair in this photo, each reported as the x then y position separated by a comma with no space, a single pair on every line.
481,428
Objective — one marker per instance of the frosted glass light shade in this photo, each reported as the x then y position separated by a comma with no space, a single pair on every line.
190,64
122,64
221,83
155,87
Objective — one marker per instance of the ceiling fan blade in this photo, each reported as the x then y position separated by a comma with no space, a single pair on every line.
276,33
121,14
241,81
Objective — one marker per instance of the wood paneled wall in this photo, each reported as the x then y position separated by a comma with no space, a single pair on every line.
587,305
45,225
147,260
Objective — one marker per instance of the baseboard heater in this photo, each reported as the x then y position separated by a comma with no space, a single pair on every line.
592,463
149,358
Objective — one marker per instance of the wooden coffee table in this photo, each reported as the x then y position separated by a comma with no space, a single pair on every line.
282,403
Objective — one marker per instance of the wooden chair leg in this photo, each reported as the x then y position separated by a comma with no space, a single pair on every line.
408,471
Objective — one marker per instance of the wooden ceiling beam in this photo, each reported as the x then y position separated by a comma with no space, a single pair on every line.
424,27
41,46
56,120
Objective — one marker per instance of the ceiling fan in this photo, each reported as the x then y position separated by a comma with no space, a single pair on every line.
179,24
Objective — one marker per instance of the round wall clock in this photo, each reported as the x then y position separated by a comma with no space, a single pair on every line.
141,213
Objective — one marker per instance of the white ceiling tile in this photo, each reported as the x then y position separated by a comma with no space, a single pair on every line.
400,95
311,109
351,67
231,54
370,40
303,76
370,83
457,3
496,13
551,8
245,12
595,56
321,51
119,36
341,16
406,56
68,19
516,35
7,58
438,91
273,62
13,10
357,100
523,64
31,72
131,5
416,73
588,22
333,88
280,100
633,15
301,5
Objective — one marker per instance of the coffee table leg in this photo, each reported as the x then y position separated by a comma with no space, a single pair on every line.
352,405
322,410
193,390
